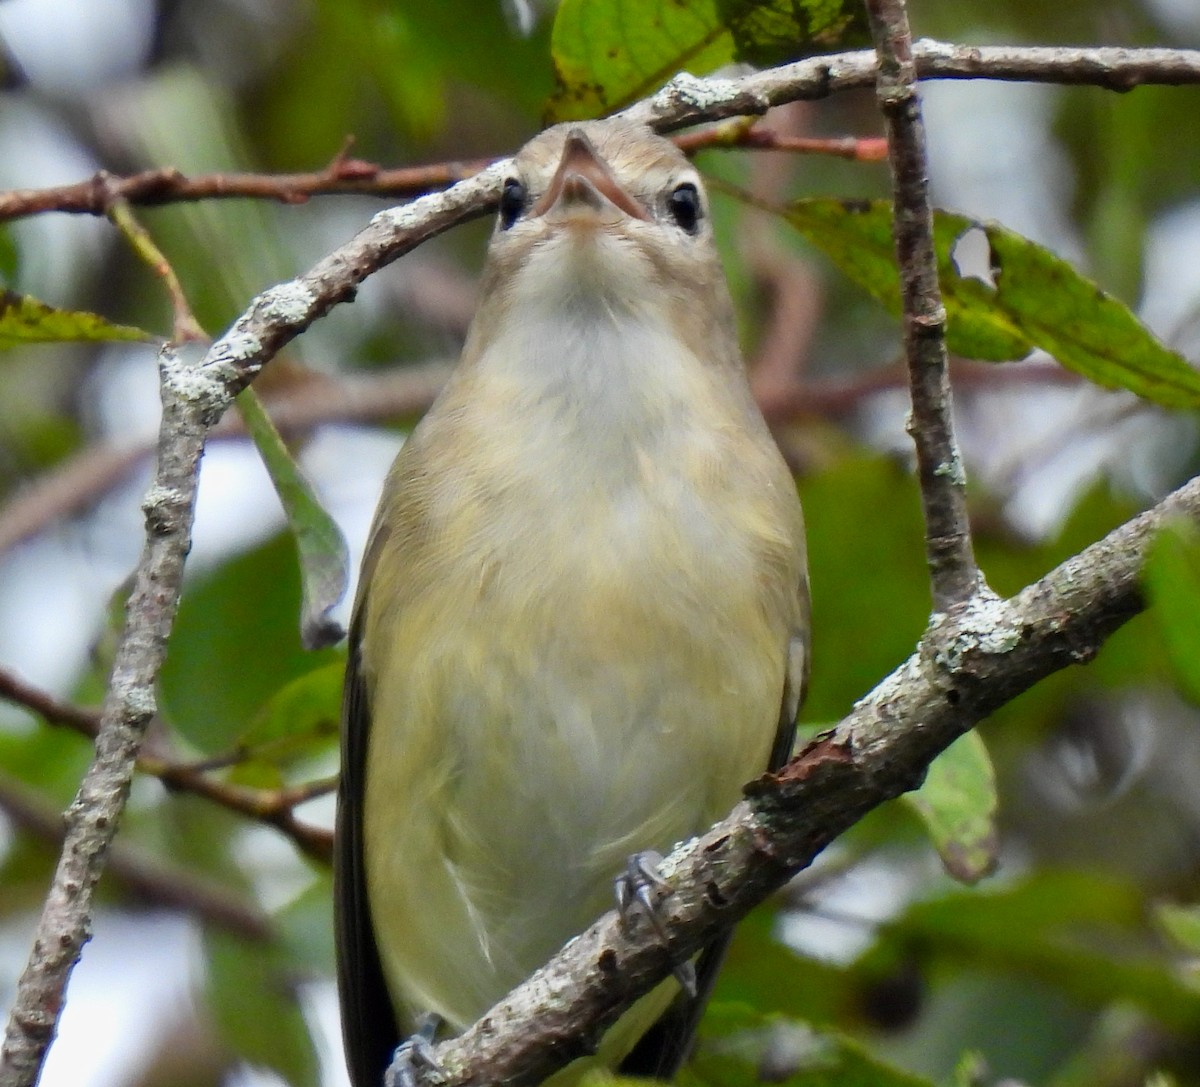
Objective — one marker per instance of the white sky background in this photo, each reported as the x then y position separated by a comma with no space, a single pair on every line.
1002,165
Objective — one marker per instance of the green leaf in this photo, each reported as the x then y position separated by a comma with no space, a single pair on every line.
957,803
1037,300
1084,328
971,1071
1083,934
740,1047
857,237
1172,577
235,643
299,722
609,53
26,320
1182,924
303,926
252,983
10,258
856,569
765,973
324,558
771,32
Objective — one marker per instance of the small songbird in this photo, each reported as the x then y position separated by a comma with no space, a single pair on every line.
582,623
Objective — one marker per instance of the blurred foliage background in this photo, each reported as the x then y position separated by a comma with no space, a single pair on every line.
1073,963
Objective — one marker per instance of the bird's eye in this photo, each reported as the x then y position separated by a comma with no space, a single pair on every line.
512,202
684,205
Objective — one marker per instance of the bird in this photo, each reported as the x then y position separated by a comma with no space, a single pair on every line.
582,621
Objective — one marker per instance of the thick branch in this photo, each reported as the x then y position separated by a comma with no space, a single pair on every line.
967,665
687,100
91,820
953,574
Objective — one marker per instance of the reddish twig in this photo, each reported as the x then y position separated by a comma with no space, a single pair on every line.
745,133
168,185
153,880
274,807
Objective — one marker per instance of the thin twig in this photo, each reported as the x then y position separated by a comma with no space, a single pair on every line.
1113,68
274,807
184,326
346,176
953,573
151,879
744,133
169,186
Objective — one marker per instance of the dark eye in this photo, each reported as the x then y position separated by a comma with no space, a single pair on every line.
684,205
512,202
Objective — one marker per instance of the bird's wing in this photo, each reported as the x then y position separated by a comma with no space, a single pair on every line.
369,1023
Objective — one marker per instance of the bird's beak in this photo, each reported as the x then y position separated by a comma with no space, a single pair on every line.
584,180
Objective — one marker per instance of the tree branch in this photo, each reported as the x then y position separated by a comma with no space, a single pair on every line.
168,186
129,706
968,664
953,574
685,101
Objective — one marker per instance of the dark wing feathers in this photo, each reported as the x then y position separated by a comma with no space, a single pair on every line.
368,1019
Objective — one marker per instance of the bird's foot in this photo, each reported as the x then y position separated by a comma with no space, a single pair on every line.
640,889
413,1063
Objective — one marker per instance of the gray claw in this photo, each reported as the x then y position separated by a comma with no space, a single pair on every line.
413,1063
640,888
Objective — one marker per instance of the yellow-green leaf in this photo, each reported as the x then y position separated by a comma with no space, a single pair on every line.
324,558
1182,924
1034,299
957,804
740,1047
609,53
1172,578
26,320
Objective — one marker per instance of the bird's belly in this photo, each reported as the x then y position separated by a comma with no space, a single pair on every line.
589,732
